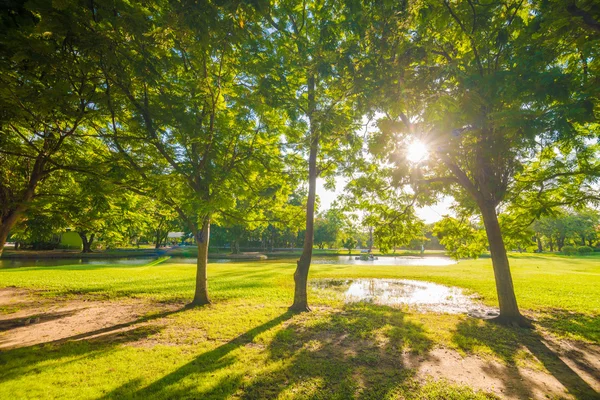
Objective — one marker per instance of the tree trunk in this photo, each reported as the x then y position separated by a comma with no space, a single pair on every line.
560,242
539,244
87,244
551,244
6,225
582,240
303,264
202,238
235,247
158,239
509,310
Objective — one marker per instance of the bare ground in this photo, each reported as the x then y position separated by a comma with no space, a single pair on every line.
570,369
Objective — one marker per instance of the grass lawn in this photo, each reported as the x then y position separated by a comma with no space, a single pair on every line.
246,345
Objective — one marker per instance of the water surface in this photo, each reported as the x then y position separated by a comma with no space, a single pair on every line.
421,295
398,260
337,260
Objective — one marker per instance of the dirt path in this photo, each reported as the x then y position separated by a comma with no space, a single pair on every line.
40,320
506,381
26,319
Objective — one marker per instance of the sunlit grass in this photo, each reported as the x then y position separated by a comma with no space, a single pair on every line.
246,345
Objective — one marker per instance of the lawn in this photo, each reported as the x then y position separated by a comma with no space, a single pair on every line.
246,345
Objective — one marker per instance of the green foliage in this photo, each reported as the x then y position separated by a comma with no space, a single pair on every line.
350,244
569,250
328,227
460,238
585,250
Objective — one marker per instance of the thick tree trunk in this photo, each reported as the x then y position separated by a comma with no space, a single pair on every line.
303,264
551,244
583,240
87,244
6,225
509,310
202,238
539,244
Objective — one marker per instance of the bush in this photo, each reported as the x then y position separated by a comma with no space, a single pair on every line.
584,250
569,250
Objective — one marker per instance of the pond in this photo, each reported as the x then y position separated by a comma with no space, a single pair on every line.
399,260
339,260
419,295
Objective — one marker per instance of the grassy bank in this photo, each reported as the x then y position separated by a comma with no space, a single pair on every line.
246,345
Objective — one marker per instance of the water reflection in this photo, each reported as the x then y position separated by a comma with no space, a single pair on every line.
424,296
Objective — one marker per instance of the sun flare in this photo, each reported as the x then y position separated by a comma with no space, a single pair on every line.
416,151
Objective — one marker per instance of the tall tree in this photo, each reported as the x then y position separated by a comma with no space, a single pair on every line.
309,58
48,90
184,117
473,97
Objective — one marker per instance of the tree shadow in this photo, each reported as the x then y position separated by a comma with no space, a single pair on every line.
18,361
566,323
210,361
362,351
512,345
12,323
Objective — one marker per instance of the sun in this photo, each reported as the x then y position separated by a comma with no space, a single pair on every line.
416,151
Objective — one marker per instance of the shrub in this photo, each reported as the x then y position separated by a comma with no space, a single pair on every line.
584,250
569,250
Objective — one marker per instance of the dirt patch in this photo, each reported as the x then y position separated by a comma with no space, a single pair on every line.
33,319
569,371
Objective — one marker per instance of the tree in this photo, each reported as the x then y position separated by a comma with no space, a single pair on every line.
473,96
309,58
183,113
48,88
350,244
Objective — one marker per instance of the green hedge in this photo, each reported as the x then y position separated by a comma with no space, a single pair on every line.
585,250
569,250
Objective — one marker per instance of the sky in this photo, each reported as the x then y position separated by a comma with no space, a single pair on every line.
428,214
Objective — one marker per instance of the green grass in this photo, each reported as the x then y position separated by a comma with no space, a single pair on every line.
246,345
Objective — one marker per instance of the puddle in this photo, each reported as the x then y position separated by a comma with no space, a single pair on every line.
423,296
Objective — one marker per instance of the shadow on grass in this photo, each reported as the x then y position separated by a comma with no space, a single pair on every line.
511,344
19,361
206,363
565,323
361,351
